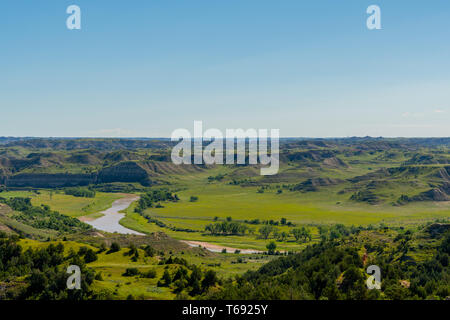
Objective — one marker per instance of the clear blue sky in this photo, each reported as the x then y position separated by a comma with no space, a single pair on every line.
145,68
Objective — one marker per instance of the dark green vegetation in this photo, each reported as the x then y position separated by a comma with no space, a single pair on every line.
40,217
154,198
414,265
227,228
41,273
80,192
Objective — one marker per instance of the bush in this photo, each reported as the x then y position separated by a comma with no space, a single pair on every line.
114,247
90,256
149,251
150,274
271,246
99,276
131,272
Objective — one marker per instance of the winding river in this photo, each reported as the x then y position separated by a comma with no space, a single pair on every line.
109,222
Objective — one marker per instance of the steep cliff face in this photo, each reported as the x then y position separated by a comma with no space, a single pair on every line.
47,180
128,171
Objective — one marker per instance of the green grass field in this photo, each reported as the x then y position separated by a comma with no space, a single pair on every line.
222,200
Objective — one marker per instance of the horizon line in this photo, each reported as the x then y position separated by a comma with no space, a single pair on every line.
285,137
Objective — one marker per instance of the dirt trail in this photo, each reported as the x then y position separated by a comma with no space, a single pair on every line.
217,248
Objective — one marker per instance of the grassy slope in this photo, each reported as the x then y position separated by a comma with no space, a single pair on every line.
113,265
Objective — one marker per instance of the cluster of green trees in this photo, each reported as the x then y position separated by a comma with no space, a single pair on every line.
218,177
265,231
149,198
334,269
313,275
187,279
282,222
429,279
88,254
227,228
80,192
300,234
133,272
244,181
41,217
43,270
337,231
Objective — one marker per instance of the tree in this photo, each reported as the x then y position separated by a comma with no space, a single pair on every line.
102,248
271,246
149,251
281,236
90,256
114,247
209,280
353,284
265,231
180,274
166,278
131,272
301,234
150,274
195,288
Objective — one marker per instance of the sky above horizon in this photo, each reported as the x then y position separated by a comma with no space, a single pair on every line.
145,68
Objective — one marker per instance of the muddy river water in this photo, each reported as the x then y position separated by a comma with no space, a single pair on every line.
109,222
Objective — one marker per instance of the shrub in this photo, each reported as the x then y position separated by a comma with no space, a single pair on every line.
131,272
271,246
90,256
149,274
114,247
